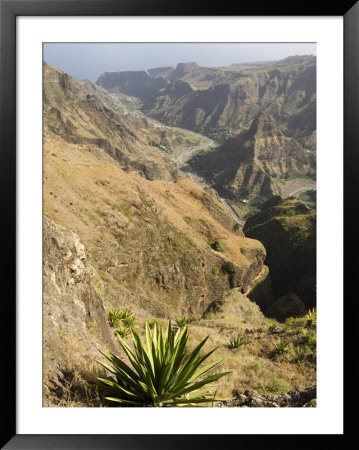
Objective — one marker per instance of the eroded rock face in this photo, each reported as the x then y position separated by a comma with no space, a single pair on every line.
254,159
260,290
223,99
297,398
287,229
73,310
85,114
137,83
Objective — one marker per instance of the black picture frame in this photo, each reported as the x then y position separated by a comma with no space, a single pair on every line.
9,10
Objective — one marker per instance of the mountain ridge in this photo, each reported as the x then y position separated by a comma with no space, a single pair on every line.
85,114
233,105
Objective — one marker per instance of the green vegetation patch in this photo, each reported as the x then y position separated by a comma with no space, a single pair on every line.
91,326
218,245
245,210
309,198
282,347
117,316
293,176
181,322
179,247
124,208
229,267
191,139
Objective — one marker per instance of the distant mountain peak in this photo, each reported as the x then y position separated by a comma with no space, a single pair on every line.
298,59
186,68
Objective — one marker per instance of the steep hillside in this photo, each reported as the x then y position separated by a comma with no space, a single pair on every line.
84,114
155,237
116,240
287,229
150,252
74,318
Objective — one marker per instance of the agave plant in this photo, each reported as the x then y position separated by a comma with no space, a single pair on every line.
237,342
162,372
282,347
124,332
181,322
129,321
151,323
311,317
308,339
114,317
125,313
304,353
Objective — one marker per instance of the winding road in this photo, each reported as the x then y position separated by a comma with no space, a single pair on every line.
183,154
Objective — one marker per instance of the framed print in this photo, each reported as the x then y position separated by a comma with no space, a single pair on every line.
175,182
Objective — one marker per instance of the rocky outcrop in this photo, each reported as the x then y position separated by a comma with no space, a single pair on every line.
74,316
184,69
201,110
135,83
235,307
297,398
260,289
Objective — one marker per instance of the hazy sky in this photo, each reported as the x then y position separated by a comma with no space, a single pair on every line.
90,60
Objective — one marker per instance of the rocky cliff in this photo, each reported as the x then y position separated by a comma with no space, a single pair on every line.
287,229
224,100
137,83
74,315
